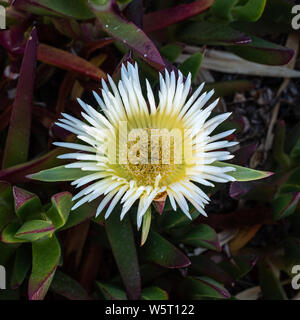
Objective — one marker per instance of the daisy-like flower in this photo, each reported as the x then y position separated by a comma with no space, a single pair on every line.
107,149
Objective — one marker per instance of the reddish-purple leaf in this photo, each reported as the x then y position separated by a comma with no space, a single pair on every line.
127,58
86,32
134,11
265,52
211,34
27,204
127,32
13,38
68,61
253,190
242,156
170,67
17,142
21,196
18,174
95,45
163,18
238,189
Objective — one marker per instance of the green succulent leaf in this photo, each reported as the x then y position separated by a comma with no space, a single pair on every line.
222,9
61,206
270,284
171,51
292,138
6,251
285,205
121,239
84,212
127,32
250,11
203,287
45,258
292,184
231,10
192,65
225,88
21,267
6,204
288,188
34,230
239,266
111,291
154,293
243,173
175,219
279,146
204,266
8,233
60,173
160,251
202,236
295,153
67,287
74,9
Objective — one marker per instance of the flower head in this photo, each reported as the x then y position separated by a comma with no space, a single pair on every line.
138,148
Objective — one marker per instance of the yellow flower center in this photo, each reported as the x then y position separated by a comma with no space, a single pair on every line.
150,155
156,158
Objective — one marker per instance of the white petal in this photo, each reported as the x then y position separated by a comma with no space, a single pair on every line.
105,201
115,200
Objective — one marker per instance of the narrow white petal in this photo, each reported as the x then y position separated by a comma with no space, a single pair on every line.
221,135
75,146
105,201
115,200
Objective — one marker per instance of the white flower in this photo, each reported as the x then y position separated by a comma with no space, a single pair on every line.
126,181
